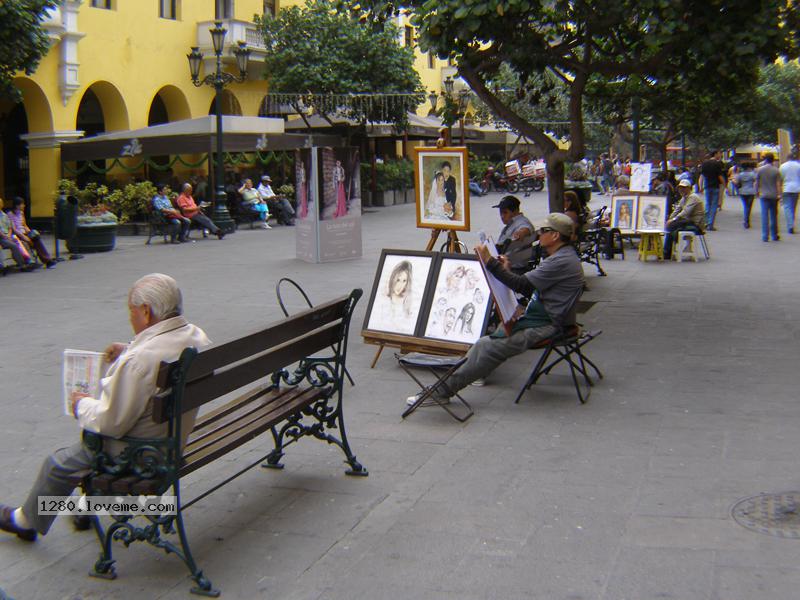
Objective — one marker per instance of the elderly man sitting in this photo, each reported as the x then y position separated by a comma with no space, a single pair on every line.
278,205
688,215
190,210
123,407
554,287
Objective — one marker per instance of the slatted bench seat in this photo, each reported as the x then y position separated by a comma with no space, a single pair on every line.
279,386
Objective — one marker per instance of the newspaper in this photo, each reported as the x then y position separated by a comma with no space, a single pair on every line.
82,372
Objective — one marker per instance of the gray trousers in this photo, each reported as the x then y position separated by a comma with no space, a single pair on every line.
52,481
488,353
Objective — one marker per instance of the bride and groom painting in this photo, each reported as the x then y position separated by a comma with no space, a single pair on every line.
441,202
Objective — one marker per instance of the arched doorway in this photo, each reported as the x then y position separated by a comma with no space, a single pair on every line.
230,105
101,109
16,162
170,105
32,115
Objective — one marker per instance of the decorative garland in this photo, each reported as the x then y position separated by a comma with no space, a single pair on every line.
236,159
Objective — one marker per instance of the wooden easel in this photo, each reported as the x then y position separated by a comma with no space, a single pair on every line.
411,344
453,245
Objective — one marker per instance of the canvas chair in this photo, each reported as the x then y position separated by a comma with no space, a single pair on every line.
441,367
567,343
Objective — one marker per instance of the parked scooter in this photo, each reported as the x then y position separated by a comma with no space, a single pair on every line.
494,179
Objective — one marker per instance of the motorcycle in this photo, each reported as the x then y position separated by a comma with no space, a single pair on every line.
495,180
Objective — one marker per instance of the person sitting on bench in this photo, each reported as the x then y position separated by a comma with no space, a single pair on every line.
123,407
178,224
554,286
190,210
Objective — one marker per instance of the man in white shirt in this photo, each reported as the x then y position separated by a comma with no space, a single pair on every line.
790,173
278,205
124,407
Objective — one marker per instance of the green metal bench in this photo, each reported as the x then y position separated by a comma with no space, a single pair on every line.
280,387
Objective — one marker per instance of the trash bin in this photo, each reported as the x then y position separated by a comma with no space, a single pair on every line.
66,218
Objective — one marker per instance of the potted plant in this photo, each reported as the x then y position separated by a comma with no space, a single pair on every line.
97,226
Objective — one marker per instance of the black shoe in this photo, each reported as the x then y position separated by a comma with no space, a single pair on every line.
220,234
82,522
50,264
7,524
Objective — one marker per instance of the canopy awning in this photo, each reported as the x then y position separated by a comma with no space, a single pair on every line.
418,127
194,136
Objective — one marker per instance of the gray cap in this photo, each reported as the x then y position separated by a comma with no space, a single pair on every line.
560,223
684,183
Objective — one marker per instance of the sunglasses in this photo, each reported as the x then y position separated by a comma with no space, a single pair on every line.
545,230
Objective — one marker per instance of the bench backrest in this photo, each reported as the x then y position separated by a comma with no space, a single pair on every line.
220,370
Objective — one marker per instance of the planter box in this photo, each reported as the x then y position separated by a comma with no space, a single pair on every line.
384,198
97,237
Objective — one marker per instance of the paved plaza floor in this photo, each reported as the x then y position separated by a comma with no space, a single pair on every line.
626,497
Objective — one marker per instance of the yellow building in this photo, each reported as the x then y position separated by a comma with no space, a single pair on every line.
121,64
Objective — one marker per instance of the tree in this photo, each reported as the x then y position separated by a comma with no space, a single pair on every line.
23,40
778,100
584,42
329,55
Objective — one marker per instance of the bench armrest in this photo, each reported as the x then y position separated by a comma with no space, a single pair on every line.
143,458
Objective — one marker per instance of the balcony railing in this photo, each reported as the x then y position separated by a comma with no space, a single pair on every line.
238,31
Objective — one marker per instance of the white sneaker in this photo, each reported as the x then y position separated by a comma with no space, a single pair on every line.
265,226
412,399
480,382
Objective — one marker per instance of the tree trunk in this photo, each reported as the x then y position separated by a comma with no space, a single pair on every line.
555,181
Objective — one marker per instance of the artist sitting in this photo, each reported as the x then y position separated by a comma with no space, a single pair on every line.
554,286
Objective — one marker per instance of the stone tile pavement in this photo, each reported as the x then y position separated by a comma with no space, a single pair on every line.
625,498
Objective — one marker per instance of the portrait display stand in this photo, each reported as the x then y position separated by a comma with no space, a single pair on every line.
428,302
441,188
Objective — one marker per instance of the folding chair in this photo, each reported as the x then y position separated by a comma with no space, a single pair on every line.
566,344
302,292
441,367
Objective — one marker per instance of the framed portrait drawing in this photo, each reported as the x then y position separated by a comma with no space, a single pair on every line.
460,302
441,184
652,213
398,292
623,212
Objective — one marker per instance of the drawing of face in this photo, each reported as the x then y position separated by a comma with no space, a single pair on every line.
472,279
449,320
624,211
478,297
469,312
439,183
400,283
446,171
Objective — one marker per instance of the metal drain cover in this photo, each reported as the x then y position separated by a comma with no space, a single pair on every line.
774,514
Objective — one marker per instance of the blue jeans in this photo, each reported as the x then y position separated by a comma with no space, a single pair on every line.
769,218
712,205
789,205
747,206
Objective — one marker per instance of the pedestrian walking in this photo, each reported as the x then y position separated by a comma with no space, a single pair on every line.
768,188
790,176
746,185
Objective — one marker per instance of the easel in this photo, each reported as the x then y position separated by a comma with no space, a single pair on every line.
408,344
453,243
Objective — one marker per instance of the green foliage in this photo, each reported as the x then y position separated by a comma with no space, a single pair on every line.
778,100
23,40
478,166
287,190
318,49
389,175
125,204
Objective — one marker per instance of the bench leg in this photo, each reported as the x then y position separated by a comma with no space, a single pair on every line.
204,587
104,567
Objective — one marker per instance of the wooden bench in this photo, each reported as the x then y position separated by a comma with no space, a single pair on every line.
280,387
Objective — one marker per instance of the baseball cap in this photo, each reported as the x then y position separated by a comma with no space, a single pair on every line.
559,222
266,178
508,203
684,183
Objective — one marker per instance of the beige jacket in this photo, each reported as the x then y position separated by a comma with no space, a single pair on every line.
692,209
125,406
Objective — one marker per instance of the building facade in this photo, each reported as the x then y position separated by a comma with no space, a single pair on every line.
121,64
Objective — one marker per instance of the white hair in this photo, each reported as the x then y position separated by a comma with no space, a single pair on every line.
160,292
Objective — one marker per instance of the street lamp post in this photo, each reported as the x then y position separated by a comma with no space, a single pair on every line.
461,103
219,80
